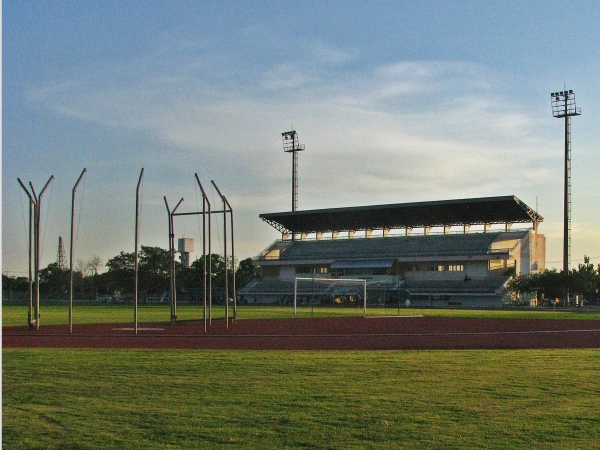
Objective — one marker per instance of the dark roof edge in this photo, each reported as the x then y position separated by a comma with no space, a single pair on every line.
404,205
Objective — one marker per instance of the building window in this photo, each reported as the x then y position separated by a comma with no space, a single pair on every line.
456,268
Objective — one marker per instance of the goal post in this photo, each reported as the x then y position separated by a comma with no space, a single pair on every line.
331,285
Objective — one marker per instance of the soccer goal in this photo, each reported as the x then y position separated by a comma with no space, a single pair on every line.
335,290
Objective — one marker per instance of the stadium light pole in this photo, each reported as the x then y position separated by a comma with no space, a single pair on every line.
563,106
291,145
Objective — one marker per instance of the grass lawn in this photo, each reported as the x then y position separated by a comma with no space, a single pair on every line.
176,399
15,315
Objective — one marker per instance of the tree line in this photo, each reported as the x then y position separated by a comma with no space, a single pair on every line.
118,282
551,287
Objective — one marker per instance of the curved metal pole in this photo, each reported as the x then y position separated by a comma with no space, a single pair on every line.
232,261
137,232
172,255
37,223
71,252
173,261
205,202
209,263
224,253
31,206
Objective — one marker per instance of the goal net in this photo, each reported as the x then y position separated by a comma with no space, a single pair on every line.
330,291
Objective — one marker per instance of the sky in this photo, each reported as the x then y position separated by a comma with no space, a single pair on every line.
395,101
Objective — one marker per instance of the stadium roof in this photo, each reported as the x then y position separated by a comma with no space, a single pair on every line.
473,211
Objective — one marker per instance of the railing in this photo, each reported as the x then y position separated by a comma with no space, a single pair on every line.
397,233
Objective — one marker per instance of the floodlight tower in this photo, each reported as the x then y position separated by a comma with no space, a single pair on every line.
563,105
290,145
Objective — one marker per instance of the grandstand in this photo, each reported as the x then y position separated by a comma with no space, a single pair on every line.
443,253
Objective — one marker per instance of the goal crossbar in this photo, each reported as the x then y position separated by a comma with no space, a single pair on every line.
332,282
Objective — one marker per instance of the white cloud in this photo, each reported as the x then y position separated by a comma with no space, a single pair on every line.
408,131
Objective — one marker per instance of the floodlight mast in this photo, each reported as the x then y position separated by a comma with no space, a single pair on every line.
291,145
563,105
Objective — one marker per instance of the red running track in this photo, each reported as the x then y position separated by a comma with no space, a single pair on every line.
346,333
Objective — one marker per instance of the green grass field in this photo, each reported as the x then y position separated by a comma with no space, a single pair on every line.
159,399
177,399
15,315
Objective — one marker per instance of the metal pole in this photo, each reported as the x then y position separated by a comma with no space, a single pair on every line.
295,293
224,254
365,298
204,259
567,206
232,262
567,186
36,256
31,205
172,254
205,201
294,180
37,223
209,263
71,252
137,232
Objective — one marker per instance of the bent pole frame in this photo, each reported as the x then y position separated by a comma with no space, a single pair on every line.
205,202
36,241
137,233
232,262
30,248
71,251
173,285
225,252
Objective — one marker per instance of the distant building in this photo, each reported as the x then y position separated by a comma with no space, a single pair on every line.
185,246
441,253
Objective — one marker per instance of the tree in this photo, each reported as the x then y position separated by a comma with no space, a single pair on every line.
120,275
10,285
81,267
585,280
519,285
54,280
246,272
154,268
93,265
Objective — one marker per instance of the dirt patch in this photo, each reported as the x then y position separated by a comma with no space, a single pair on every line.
346,333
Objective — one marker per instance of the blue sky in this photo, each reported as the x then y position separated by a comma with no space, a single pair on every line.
395,102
